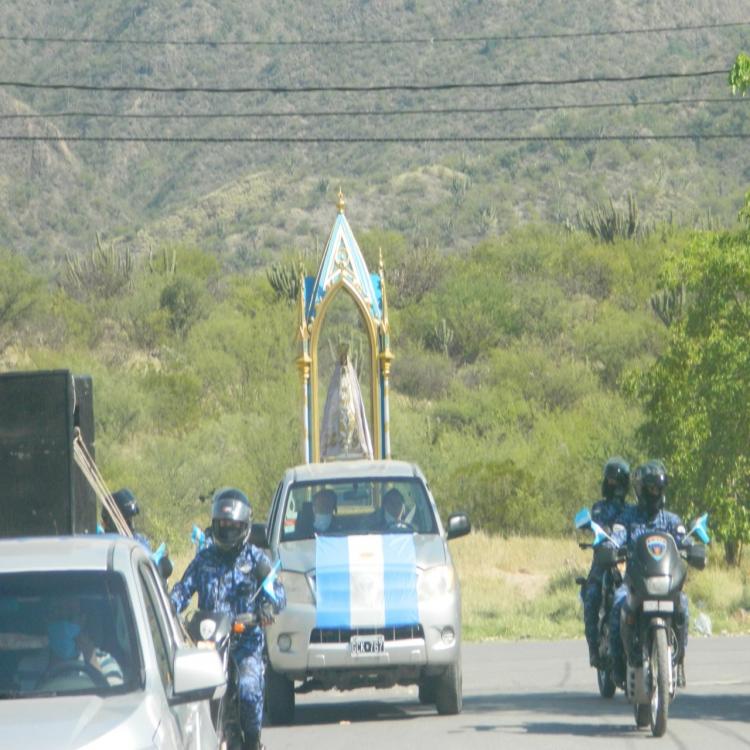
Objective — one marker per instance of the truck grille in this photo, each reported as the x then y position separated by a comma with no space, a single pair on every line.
343,635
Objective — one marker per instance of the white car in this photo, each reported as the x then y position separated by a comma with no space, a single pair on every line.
371,600
91,654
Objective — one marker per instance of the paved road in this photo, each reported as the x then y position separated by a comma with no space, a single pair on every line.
533,695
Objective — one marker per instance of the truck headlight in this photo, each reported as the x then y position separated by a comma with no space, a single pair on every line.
658,585
296,586
436,582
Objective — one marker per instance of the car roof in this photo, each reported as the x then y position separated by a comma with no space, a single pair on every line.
352,469
60,553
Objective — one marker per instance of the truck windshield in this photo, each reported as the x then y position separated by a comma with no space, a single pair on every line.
357,506
65,633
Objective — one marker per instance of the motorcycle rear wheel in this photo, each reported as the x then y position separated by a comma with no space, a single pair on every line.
660,667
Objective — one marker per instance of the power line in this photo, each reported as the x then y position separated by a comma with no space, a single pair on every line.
365,112
383,139
357,89
376,41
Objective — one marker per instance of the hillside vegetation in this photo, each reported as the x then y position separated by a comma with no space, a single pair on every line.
507,383
248,203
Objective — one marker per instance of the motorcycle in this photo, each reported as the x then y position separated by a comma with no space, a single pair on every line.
655,575
611,580
218,630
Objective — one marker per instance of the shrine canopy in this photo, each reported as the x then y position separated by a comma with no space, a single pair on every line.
343,263
343,270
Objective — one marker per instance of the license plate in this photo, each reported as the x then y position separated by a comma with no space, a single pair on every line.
658,606
366,645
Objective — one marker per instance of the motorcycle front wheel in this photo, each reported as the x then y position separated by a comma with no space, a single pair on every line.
660,667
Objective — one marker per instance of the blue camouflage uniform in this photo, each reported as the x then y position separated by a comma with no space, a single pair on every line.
227,583
635,522
605,513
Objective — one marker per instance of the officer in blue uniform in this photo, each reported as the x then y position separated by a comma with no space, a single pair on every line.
227,576
615,485
128,506
649,482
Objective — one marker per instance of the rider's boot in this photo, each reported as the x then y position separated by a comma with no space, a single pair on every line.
252,742
681,681
594,659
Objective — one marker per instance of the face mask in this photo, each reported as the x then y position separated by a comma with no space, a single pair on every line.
322,521
62,639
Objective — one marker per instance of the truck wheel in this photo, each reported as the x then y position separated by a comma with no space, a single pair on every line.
448,690
279,698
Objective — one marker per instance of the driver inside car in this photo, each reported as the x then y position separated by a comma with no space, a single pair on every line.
70,650
393,509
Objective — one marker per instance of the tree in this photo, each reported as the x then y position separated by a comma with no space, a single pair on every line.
739,80
19,292
739,75
697,394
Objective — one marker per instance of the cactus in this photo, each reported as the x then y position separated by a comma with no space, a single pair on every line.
441,337
609,223
106,272
284,279
668,304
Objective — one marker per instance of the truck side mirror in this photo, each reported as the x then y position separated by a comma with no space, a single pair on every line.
458,525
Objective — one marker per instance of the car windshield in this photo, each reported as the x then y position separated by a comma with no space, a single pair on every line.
64,633
357,506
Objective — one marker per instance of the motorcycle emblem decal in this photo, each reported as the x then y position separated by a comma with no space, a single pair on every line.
656,546
208,628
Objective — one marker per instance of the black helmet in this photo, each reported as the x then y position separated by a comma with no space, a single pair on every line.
649,482
231,516
616,479
125,500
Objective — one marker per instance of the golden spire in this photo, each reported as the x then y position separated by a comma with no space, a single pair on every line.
340,203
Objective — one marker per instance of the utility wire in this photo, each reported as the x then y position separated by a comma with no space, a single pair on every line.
378,41
385,139
365,112
358,89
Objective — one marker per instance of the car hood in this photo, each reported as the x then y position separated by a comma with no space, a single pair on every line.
86,722
300,555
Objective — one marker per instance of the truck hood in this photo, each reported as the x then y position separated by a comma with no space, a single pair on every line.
299,555
87,722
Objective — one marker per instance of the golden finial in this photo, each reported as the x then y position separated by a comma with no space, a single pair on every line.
340,203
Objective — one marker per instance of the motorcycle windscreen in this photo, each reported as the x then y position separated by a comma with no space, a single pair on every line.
367,581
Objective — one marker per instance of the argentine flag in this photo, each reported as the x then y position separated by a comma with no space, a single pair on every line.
366,581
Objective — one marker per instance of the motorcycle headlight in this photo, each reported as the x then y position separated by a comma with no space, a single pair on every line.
436,582
296,586
658,585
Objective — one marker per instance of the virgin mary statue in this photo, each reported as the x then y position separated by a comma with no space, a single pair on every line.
344,432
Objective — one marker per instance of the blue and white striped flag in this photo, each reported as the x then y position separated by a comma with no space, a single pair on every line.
366,581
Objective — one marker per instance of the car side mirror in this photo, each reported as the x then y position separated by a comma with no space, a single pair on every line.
198,675
458,525
258,535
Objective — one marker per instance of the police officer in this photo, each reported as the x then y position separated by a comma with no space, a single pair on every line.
128,506
649,483
615,485
226,577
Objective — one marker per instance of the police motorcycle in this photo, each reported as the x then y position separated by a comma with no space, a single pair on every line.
655,575
615,570
218,630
